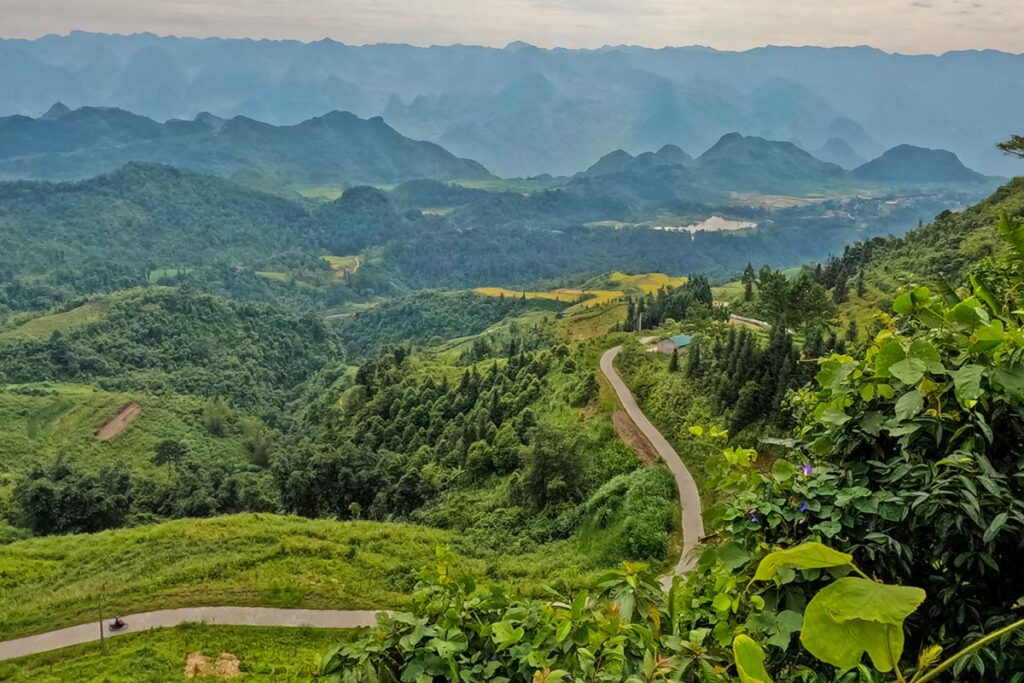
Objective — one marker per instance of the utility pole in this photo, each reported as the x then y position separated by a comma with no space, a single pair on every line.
99,605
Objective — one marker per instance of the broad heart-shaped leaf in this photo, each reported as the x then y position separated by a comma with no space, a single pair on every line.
908,371
804,556
926,351
967,381
749,660
890,353
852,616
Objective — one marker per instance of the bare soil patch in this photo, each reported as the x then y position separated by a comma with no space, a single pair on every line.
634,438
198,664
119,422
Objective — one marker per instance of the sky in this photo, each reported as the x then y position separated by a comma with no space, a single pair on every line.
908,26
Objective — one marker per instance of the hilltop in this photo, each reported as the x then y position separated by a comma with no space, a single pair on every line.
337,148
748,163
910,164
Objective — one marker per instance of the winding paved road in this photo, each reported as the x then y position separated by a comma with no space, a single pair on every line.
692,524
689,496
221,616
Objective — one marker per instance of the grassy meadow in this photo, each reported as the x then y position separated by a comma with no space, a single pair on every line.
42,420
265,654
250,559
43,327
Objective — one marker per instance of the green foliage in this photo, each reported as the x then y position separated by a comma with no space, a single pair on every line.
792,303
1013,146
186,342
425,317
691,300
852,616
62,499
626,630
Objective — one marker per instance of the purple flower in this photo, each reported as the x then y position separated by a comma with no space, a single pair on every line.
754,517
804,507
807,470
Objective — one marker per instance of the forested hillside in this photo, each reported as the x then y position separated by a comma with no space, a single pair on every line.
149,223
181,341
944,252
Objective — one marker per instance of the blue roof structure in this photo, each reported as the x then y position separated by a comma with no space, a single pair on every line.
682,340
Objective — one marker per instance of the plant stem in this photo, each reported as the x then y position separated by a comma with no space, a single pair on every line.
976,645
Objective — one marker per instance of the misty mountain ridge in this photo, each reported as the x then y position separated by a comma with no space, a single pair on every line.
523,110
336,148
907,163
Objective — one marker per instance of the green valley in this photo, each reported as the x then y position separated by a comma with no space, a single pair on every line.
712,413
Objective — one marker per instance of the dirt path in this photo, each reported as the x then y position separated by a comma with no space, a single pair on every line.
689,496
218,616
630,435
119,422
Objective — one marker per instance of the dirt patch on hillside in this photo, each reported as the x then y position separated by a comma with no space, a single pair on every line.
119,422
634,438
226,666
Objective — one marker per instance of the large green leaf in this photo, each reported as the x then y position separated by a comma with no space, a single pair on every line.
909,405
967,382
908,371
749,660
852,616
889,354
926,351
506,635
804,556
987,337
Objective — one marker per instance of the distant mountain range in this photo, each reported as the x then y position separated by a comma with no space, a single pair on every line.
341,149
522,111
749,164
337,148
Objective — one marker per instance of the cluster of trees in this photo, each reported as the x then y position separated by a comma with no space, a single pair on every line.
395,440
425,316
479,453
183,341
792,303
63,497
692,300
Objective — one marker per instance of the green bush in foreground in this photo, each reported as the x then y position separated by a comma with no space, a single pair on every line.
629,629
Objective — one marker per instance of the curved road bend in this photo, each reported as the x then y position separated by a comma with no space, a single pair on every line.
692,524
220,616
689,497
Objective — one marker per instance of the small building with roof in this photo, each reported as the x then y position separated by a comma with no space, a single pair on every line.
677,343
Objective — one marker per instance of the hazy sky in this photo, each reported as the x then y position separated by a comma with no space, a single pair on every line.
912,26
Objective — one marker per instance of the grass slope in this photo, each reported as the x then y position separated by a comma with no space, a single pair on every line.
249,559
265,654
48,419
42,327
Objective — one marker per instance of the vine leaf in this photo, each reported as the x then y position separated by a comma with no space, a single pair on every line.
852,616
804,556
